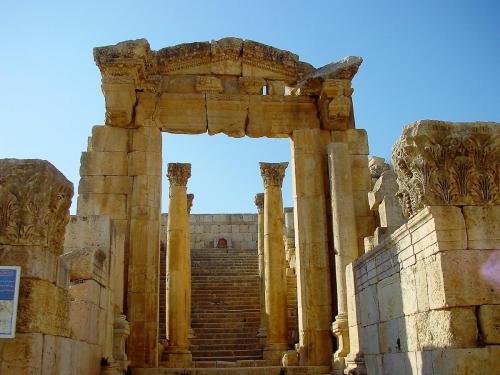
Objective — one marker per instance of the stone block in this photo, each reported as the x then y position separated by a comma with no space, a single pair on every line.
472,361
43,307
88,291
85,322
456,327
356,139
87,264
105,184
108,138
465,279
183,113
227,114
369,340
374,364
145,109
35,261
120,100
22,354
146,139
396,363
483,226
144,163
421,289
408,290
112,205
391,336
390,298
59,356
489,323
88,232
110,163
369,305
279,116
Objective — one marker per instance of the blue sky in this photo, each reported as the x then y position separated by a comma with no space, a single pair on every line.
422,60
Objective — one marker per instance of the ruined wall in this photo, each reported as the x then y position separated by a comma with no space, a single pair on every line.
240,229
425,299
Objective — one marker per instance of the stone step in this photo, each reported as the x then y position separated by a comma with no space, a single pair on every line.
225,341
227,353
240,363
225,347
229,319
241,331
226,324
226,314
236,370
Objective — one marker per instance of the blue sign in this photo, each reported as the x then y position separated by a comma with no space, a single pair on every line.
9,294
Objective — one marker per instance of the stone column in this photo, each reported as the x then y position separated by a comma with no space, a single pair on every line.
274,260
314,296
190,198
259,202
345,242
177,353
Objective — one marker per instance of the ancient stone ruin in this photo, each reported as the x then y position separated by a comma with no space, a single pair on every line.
377,269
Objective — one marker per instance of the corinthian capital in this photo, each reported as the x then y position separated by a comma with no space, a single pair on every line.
446,163
259,202
273,173
190,198
178,173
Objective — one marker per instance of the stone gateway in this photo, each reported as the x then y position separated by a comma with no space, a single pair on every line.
376,269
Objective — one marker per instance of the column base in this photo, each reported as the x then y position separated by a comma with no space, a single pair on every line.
274,351
175,357
340,329
355,365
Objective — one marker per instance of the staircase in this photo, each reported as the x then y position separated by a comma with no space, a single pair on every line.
225,305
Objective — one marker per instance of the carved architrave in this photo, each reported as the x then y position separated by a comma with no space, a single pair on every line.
273,173
34,204
259,202
444,163
178,173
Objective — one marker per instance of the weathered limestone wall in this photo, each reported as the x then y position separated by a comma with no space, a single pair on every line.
240,229
424,300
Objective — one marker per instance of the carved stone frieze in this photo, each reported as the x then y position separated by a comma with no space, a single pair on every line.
445,163
259,202
178,173
34,204
209,84
273,173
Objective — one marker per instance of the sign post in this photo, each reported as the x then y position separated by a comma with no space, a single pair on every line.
9,295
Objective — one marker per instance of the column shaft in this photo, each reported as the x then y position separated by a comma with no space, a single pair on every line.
274,261
345,241
259,202
178,273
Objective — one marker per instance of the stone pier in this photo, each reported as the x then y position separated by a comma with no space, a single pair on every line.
274,260
259,202
345,243
177,353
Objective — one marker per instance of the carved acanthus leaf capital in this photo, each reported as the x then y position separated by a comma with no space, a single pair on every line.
190,198
444,163
273,173
34,204
178,173
259,202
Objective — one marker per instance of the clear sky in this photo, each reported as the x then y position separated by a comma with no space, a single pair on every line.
425,59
